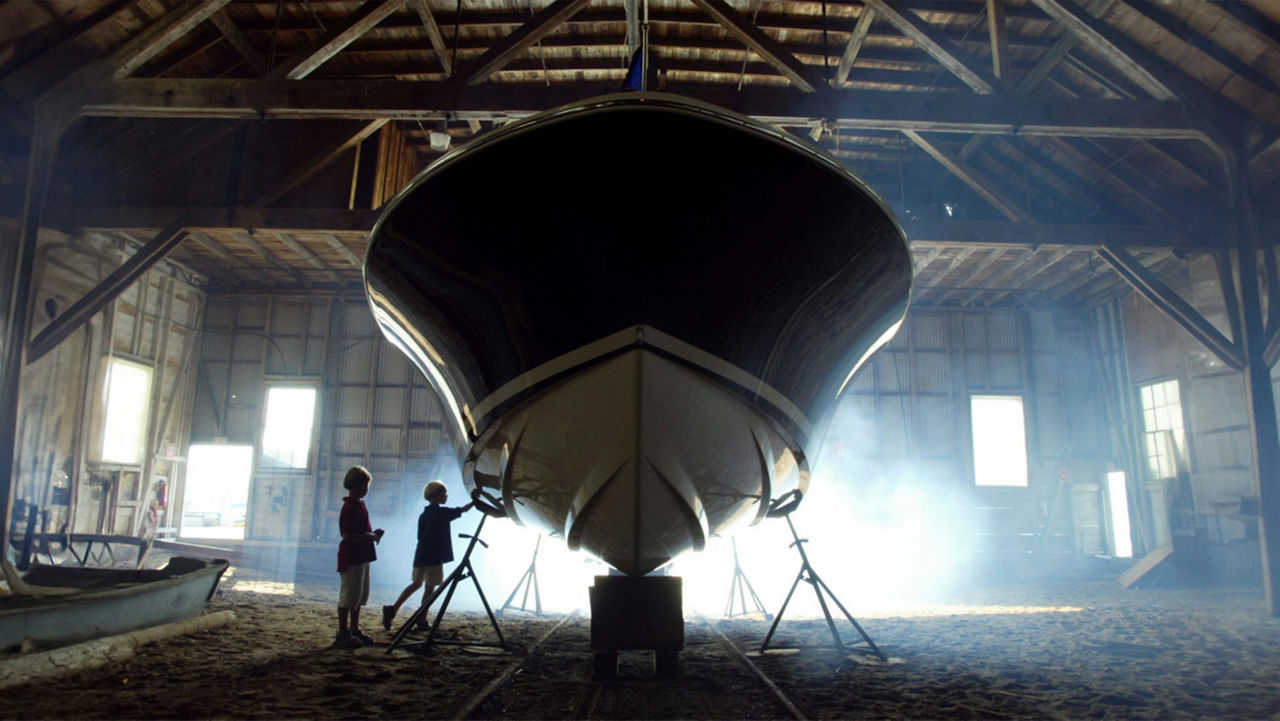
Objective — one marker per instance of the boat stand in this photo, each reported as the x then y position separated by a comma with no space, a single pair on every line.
530,581
464,571
739,587
782,507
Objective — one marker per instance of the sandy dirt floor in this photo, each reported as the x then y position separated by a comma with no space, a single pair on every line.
1068,651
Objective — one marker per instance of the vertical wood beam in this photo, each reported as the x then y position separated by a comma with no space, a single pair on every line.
433,35
317,163
753,37
1259,397
152,41
998,32
854,46
315,53
538,27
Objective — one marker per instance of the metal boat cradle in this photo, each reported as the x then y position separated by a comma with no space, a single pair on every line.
638,312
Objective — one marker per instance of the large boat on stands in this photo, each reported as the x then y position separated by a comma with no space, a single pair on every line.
638,312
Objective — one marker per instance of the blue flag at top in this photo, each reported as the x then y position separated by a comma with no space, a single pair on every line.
635,71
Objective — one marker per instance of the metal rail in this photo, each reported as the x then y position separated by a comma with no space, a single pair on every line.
744,660
502,678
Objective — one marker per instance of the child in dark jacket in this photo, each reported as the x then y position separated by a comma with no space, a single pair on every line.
435,547
355,553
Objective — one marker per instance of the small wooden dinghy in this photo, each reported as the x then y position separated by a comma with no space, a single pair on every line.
58,605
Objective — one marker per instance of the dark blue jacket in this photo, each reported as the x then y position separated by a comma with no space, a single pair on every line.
435,547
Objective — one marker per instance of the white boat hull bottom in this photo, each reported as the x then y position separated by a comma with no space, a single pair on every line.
635,459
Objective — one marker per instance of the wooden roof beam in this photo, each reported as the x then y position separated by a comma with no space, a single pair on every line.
219,250
1024,278
314,54
1171,304
999,34
541,24
862,109
240,42
911,25
433,35
351,258
973,178
854,46
246,238
1015,263
318,162
161,34
1105,42
992,256
766,47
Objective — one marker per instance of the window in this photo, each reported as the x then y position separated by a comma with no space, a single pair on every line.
1118,505
999,441
1162,436
286,436
215,494
124,433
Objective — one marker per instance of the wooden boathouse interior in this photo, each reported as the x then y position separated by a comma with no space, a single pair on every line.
1091,189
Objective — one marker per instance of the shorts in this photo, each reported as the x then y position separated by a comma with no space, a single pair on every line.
354,591
430,575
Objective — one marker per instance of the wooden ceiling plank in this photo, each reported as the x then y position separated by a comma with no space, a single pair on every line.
246,238
541,24
1015,264
337,244
992,256
850,109
213,246
41,72
318,163
240,42
973,178
316,53
315,260
998,31
766,47
958,257
1171,304
1102,40
911,25
1024,278
433,35
161,34
1146,208
854,46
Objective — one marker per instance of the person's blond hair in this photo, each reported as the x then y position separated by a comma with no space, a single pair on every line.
356,476
433,489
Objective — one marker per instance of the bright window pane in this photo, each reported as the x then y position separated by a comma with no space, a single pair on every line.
286,439
1119,505
999,441
124,435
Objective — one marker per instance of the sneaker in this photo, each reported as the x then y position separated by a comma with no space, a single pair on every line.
344,639
388,616
363,638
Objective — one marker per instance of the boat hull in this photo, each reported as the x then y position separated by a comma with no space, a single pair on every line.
110,601
758,269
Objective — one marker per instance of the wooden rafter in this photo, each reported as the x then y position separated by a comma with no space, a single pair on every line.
544,22
865,109
314,54
978,268
433,35
1024,278
854,45
972,177
160,35
213,246
763,45
352,259
1103,41
1015,264
1172,304
318,162
911,25
240,42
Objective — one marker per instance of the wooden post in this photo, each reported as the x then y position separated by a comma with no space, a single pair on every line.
1259,399
47,129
